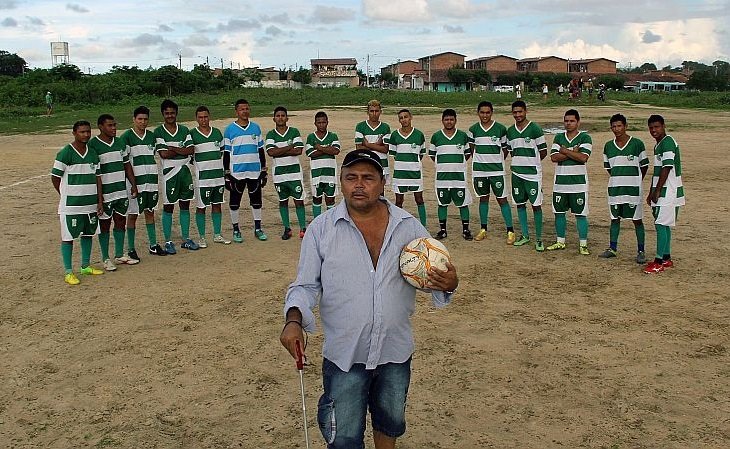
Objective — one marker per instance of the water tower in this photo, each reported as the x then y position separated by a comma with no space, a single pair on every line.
59,53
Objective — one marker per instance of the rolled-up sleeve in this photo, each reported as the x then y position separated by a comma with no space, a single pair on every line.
305,291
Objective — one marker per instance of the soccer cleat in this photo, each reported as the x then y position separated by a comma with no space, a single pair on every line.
286,235
91,270
71,279
556,246
170,248
237,237
259,234
641,257
202,243
510,237
301,233
539,247
157,250
190,244
609,253
467,234
583,250
523,240
442,234
220,239
109,265
133,255
653,268
668,263
126,260
481,235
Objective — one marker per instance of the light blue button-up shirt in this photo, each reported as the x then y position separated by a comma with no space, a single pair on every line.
365,311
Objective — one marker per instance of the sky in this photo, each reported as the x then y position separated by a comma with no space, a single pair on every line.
289,33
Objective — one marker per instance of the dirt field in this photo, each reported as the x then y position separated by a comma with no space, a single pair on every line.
536,351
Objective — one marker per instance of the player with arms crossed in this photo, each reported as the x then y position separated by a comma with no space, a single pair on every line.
208,158
450,149
408,146
624,158
321,147
175,148
666,194
570,151
490,150
116,172
244,165
528,148
372,134
140,146
284,144
75,176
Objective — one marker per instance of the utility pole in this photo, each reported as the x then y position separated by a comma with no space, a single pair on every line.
221,63
367,71
206,62
430,84
179,64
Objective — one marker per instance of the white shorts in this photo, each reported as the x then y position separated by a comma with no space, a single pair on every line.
665,215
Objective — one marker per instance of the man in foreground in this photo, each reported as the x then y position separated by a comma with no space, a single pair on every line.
364,304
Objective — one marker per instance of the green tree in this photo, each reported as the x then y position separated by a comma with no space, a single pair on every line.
169,76
67,72
481,77
11,64
302,75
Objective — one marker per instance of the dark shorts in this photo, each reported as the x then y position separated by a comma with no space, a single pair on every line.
237,188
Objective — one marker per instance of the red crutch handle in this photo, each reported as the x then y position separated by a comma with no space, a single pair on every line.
300,356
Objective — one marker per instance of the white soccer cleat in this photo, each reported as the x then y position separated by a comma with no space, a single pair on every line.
109,265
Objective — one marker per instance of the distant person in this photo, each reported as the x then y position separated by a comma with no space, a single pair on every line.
666,194
624,158
408,146
76,177
544,91
321,147
589,86
49,103
561,90
372,134
570,151
518,91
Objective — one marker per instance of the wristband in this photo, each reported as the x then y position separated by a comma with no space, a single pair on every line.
292,321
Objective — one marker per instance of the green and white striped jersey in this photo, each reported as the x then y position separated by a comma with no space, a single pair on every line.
208,157
324,167
624,167
112,157
571,176
525,147
180,139
363,131
407,152
488,159
141,151
450,157
78,174
666,154
286,168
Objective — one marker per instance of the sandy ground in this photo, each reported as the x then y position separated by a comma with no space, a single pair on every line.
537,350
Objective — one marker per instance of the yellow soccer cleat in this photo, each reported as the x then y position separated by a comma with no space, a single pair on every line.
91,270
71,279
583,250
510,237
481,235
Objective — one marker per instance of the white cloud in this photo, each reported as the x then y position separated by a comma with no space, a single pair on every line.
76,8
396,10
331,14
9,22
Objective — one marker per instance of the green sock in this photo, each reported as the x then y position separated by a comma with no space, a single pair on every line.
561,223
118,242
614,231
185,223
67,251
464,213
284,212
200,223
422,214
661,240
86,251
442,213
131,234
167,225
316,210
301,216
668,245
483,214
522,217
581,221
640,236
538,224
151,233
217,218
104,245
506,214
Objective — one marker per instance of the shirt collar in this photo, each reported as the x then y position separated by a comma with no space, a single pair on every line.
340,211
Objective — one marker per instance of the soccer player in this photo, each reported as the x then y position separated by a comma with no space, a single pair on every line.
528,148
450,150
75,176
624,158
408,146
140,146
115,171
570,151
666,194
284,144
244,165
174,146
321,147
208,158
372,134
490,150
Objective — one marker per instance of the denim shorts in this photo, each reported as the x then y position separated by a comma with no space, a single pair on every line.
348,396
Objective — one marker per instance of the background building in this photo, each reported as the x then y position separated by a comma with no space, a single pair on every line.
338,72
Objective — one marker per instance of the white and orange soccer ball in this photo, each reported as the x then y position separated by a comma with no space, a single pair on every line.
418,257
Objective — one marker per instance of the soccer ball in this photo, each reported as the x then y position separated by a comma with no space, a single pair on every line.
418,257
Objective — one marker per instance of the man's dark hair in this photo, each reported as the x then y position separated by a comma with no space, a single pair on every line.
320,114
240,101
103,118
141,110
519,104
281,109
448,113
167,104
202,109
655,118
572,112
485,104
81,123
404,110
617,118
